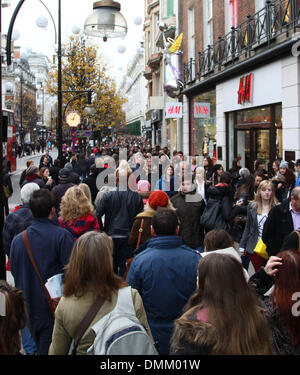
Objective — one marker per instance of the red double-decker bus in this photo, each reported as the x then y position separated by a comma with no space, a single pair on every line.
9,139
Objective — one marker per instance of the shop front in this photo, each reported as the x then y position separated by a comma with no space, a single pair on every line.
253,134
249,116
203,124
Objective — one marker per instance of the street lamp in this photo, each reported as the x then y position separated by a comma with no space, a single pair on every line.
106,21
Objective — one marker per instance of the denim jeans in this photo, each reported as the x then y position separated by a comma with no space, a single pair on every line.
28,342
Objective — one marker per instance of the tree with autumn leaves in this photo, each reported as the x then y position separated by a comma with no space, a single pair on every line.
83,69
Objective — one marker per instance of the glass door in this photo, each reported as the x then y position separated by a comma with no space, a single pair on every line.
253,144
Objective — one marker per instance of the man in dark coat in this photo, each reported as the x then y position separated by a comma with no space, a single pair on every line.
120,208
165,275
74,177
282,220
51,246
60,189
189,208
91,181
54,171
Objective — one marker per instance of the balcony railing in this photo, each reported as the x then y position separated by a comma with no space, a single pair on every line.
262,29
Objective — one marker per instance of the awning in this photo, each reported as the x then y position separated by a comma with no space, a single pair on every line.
134,128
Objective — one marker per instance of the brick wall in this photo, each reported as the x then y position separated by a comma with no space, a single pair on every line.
218,19
245,7
185,6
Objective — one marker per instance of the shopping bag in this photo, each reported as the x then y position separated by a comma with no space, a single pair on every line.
261,249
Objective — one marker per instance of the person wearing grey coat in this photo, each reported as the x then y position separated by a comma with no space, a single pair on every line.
250,235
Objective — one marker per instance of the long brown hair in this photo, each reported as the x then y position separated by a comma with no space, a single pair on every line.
233,308
15,319
90,268
287,282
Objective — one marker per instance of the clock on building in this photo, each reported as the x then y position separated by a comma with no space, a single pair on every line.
73,118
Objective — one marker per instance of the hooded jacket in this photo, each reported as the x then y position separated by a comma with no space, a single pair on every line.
193,334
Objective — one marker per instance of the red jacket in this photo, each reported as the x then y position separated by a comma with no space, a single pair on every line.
81,225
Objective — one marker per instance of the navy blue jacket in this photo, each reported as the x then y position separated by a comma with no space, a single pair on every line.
165,274
51,246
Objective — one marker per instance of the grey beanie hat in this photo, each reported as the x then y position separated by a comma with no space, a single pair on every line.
64,175
284,164
32,169
68,166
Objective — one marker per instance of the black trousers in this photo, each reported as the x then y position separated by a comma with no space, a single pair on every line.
122,251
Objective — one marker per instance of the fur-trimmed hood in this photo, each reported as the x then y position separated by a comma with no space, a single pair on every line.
189,331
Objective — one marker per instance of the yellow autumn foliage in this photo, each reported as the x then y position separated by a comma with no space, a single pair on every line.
83,69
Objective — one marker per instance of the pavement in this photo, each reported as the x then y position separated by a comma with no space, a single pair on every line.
14,200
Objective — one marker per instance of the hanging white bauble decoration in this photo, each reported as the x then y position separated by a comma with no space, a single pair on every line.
76,29
137,20
121,48
42,22
120,68
8,87
15,35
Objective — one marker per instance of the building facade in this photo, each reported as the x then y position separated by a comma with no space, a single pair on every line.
133,87
161,20
241,96
39,65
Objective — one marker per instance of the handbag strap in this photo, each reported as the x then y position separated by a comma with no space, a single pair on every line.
86,321
140,234
31,257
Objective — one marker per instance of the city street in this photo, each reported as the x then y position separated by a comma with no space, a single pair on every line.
15,176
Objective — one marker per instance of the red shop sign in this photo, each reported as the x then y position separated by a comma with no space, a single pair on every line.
245,89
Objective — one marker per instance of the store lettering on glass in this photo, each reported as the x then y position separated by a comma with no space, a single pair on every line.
173,110
245,89
201,110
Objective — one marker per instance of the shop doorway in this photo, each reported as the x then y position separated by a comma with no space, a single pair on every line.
254,133
253,144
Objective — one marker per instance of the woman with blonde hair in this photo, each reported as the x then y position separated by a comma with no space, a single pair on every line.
201,182
77,214
89,275
224,316
257,214
87,191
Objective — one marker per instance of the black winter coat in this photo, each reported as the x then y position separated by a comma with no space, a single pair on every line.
189,208
277,226
120,209
225,194
91,182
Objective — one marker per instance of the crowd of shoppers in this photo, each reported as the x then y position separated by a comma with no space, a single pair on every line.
190,230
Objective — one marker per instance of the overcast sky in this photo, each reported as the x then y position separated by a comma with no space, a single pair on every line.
74,12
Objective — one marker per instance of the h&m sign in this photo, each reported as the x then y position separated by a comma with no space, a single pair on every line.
174,110
245,89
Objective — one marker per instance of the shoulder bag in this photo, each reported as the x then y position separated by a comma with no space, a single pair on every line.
84,324
129,260
52,302
261,249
